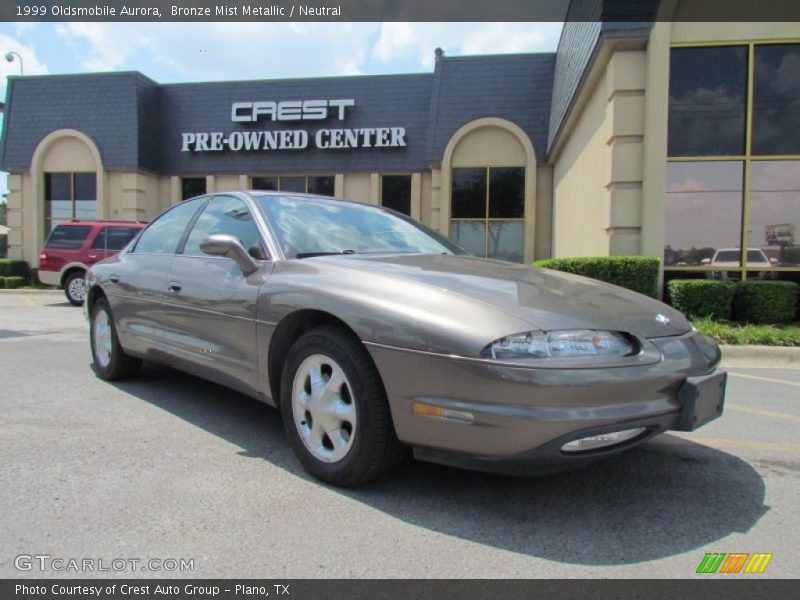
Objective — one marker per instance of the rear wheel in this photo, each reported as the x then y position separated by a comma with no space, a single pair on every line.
110,361
73,288
335,410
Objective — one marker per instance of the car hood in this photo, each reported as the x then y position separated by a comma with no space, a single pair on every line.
545,299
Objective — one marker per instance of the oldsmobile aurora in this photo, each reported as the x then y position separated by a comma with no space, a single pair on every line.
373,334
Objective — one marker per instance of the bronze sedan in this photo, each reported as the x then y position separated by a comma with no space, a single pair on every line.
373,334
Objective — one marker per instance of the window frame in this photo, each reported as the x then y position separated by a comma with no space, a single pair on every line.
486,219
747,159
48,218
305,177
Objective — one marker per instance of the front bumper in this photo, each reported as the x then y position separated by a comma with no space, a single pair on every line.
523,416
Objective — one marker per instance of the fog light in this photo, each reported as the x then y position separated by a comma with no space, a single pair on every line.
449,414
602,440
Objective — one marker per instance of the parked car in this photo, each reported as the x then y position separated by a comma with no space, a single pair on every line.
373,333
72,247
730,257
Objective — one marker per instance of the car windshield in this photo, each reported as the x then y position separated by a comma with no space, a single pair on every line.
307,226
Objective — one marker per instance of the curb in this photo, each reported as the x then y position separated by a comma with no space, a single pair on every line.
760,356
31,291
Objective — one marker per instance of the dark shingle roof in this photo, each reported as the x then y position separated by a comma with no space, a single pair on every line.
516,87
586,23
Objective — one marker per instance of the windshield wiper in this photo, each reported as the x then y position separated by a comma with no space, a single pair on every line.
312,254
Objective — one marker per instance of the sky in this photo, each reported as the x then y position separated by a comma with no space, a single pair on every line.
180,52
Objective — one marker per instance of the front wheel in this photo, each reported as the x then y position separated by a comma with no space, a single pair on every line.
73,288
335,411
110,361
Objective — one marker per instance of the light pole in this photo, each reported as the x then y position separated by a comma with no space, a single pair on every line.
10,58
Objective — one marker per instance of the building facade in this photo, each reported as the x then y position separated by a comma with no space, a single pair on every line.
662,137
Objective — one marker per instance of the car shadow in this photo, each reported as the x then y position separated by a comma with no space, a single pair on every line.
60,305
663,498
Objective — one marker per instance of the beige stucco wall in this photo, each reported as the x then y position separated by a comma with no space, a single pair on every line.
357,186
598,167
120,195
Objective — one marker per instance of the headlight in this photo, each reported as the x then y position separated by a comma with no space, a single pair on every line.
559,344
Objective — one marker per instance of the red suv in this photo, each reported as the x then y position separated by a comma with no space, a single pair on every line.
74,246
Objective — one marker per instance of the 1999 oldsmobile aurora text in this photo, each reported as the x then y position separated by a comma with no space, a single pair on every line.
374,334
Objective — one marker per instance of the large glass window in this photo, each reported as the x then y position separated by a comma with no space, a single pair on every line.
396,193
733,179
488,210
707,94
321,185
776,99
69,196
192,186
775,212
704,212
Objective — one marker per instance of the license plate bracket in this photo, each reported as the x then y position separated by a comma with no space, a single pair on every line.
702,399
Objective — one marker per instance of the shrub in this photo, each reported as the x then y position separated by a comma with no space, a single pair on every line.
2,283
13,268
702,297
765,301
3,246
12,283
637,273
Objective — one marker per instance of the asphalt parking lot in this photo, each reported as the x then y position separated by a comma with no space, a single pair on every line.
168,466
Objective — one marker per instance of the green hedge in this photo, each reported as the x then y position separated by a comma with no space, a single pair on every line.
2,283
765,301
702,297
13,268
12,283
637,273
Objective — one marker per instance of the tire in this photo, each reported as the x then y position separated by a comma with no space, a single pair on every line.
109,359
342,435
73,288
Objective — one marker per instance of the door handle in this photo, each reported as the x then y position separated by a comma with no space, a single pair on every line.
174,287
113,278
93,256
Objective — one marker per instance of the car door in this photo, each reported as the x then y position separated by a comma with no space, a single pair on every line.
136,283
214,321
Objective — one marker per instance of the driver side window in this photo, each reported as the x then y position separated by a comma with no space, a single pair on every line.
230,216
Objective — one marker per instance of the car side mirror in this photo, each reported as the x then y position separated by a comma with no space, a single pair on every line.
705,261
229,247
773,260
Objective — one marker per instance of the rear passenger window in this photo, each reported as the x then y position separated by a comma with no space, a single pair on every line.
114,238
68,237
164,234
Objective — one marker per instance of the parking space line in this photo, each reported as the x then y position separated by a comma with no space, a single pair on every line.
770,379
763,413
723,443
